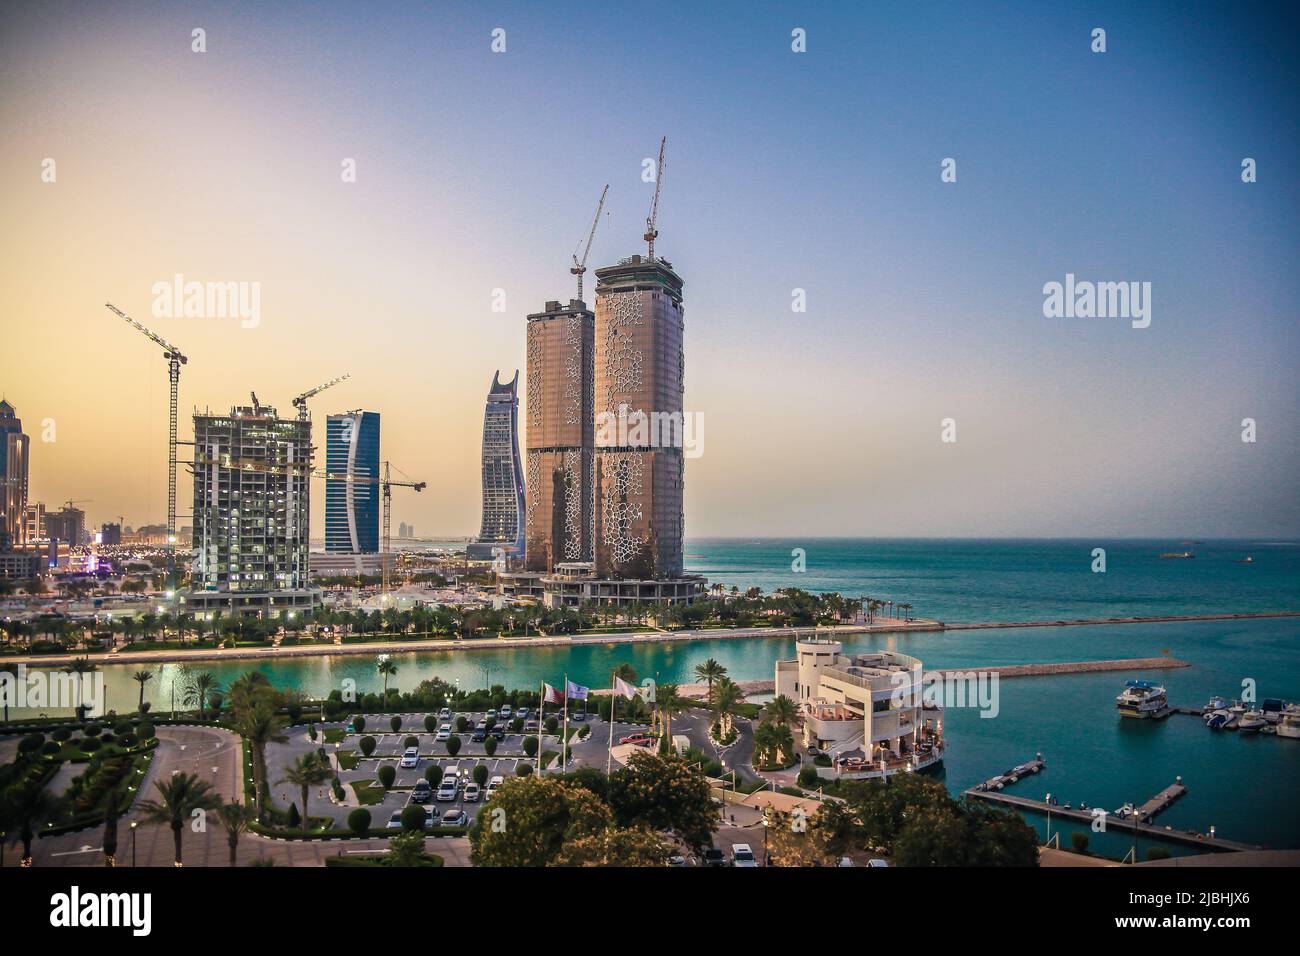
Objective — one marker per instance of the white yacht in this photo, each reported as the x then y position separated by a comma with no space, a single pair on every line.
1141,698
1288,725
1252,720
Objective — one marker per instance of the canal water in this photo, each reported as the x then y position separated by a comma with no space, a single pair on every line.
1244,785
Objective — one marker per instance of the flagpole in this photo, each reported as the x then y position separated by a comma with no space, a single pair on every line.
613,702
564,740
541,719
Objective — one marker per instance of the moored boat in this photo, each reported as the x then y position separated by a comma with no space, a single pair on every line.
1288,724
1251,720
1141,698
1217,719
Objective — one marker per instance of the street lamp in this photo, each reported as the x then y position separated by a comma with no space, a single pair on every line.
134,824
1048,801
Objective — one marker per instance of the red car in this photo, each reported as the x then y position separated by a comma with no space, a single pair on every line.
640,740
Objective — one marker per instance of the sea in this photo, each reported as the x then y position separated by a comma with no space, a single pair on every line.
1243,785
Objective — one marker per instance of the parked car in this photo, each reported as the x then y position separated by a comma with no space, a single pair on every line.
410,758
530,726
431,816
713,857
494,783
395,821
876,861
641,740
445,714
578,715
491,714
444,733
505,712
422,793
471,793
845,861
522,713
456,818
742,855
479,735
498,731
447,790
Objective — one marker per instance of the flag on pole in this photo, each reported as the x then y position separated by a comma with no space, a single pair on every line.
550,695
576,691
623,688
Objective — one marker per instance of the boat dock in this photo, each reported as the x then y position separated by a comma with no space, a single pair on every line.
1138,822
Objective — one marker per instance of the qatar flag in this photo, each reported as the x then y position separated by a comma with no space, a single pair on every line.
550,695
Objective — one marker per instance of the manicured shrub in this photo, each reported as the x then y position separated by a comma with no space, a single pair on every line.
358,723
551,724
583,731
93,729
490,722
359,821
490,746
295,712
411,742
367,745
89,744
433,774
50,748
480,774
145,731
127,740
124,727
453,745
530,745
63,733
462,724
413,817
712,768
808,778
1079,841
517,725
430,723
523,769
106,738
387,774
293,819
395,722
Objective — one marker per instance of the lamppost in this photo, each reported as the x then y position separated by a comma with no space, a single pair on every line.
134,824
1048,801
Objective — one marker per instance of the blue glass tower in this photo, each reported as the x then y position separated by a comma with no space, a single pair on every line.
352,507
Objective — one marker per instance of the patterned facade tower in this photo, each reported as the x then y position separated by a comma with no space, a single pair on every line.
640,371
559,479
502,531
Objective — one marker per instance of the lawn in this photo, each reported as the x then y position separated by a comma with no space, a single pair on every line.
367,792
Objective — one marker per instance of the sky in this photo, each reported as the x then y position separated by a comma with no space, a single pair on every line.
479,171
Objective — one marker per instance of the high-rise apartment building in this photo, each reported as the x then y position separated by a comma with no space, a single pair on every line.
14,446
34,523
502,530
559,444
68,525
352,499
252,472
639,370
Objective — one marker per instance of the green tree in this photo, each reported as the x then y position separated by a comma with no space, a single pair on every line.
142,678
406,849
178,798
306,772
709,672
413,817
532,819
386,669
633,846
235,818
781,711
359,821
25,808
201,687
453,744
664,793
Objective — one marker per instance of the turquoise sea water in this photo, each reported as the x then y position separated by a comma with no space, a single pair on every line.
1245,785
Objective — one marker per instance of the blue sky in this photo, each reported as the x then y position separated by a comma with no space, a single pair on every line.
817,171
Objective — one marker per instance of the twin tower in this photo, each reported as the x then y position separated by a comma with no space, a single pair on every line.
590,499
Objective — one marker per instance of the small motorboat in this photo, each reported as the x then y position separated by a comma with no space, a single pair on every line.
1141,698
1252,720
1217,719
1216,703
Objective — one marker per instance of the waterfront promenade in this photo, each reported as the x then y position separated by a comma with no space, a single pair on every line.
324,649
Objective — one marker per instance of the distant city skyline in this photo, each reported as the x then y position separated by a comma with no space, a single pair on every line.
812,177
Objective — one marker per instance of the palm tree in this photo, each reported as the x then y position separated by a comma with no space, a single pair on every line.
259,725
668,702
142,678
306,772
25,809
110,828
710,671
781,711
386,670
235,818
179,798
201,687
724,698
79,667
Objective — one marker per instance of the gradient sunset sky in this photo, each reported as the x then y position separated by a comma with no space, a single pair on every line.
821,171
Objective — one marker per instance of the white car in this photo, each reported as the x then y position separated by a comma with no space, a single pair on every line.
410,758
447,790
444,733
877,862
493,784
505,712
395,821
444,714
471,793
742,855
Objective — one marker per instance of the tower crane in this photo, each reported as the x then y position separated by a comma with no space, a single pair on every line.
174,362
580,267
300,402
652,220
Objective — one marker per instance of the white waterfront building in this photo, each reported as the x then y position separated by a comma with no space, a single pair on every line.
866,712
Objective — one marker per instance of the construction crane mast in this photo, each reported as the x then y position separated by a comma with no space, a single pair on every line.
580,267
300,402
652,220
387,488
174,362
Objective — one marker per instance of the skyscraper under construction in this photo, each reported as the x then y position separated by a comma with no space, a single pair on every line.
639,370
559,444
